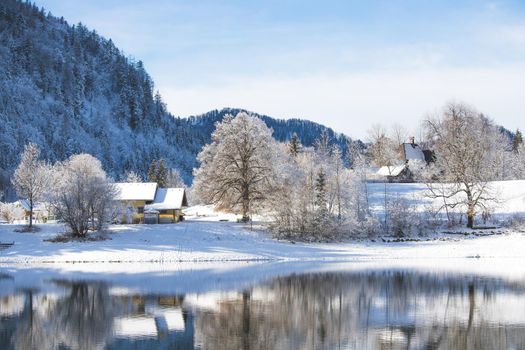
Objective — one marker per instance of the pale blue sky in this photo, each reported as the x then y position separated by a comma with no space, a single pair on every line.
344,63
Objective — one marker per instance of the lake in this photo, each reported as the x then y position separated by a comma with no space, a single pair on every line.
263,306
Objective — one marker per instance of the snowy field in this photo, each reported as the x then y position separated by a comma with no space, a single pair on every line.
207,236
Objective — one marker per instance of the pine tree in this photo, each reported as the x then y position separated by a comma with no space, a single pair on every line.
321,215
294,146
152,171
162,173
517,141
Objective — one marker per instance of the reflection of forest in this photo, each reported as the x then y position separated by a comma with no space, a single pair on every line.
373,310
389,310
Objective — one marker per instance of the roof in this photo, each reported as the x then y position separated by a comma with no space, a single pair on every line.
38,206
135,191
391,170
168,198
412,151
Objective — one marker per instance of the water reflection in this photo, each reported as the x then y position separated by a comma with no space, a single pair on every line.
367,310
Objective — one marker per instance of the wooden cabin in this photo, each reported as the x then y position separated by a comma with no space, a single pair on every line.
41,211
133,197
167,206
147,203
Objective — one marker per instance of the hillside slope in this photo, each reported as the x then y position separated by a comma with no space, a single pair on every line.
70,90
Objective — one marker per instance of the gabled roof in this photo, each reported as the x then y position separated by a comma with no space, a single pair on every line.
412,151
391,170
24,203
168,198
135,191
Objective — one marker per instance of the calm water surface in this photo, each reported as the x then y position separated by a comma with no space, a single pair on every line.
374,309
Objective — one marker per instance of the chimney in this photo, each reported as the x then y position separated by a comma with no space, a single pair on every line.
412,140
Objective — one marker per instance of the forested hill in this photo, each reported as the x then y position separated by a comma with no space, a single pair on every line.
70,90
283,129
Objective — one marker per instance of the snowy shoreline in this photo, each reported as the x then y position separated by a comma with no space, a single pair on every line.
221,242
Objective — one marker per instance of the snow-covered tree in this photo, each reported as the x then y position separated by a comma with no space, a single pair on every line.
294,146
398,133
162,173
318,197
152,171
132,176
468,149
174,179
158,172
31,178
360,165
11,212
84,194
383,150
237,168
322,215
517,141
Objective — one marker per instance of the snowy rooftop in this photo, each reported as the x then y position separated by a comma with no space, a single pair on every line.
133,191
24,203
391,170
412,151
168,198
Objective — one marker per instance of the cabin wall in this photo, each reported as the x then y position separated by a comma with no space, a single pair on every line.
137,211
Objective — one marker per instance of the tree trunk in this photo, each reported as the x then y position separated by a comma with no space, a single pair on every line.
245,206
470,219
30,212
470,210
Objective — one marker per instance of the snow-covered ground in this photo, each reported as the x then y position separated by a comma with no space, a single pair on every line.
206,236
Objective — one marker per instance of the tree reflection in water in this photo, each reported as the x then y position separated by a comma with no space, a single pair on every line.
385,310
81,319
365,310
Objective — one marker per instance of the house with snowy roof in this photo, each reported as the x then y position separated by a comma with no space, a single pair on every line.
166,206
42,211
148,203
410,154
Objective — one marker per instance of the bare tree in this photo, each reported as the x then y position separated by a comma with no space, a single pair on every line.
398,133
31,178
468,149
238,166
84,195
383,150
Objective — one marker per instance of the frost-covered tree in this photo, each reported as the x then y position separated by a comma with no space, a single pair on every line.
152,171
158,172
318,198
468,149
517,141
398,133
11,212
31,178
383,150
162,173
132,176
322,215
237,168
360,165
174,179
294,146
84,195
